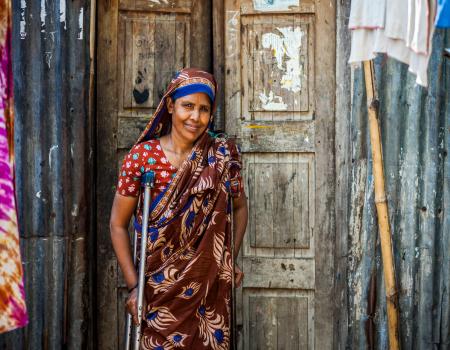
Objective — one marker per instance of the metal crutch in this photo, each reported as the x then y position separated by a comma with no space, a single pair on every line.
129,324
147,182
233,291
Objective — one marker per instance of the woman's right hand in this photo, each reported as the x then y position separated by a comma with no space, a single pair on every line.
132,305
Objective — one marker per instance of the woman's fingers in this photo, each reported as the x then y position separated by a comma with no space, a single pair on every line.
135,315
132,308
238,276
144,309
239,279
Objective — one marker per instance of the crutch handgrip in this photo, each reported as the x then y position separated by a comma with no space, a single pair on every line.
148,179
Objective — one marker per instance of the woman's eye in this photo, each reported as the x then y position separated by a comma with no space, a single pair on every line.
205,109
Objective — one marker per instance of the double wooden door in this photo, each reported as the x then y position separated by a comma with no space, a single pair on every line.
275,63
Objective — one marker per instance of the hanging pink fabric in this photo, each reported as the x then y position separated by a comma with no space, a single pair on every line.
13,312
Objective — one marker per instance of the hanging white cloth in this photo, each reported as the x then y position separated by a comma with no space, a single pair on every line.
401,29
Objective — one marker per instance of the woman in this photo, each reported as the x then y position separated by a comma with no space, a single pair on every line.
189,262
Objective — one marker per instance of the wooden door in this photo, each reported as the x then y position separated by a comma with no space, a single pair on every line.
141,44
279,103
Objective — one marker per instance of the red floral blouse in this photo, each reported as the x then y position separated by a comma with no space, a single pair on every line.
142,158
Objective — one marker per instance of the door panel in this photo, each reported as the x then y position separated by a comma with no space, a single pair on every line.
277,107
274,83
276,321
281,186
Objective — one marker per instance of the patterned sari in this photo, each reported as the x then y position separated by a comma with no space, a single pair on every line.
189,261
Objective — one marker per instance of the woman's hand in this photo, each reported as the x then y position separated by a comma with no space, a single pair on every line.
132,306
238,276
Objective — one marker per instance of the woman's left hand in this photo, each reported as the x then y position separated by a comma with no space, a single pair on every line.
132,307
238,276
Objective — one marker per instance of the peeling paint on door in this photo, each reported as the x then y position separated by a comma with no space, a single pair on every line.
286,50
271,102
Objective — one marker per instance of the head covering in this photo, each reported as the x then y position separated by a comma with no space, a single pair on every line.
192,89
185,82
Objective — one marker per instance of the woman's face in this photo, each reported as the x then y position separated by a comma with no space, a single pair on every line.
190,116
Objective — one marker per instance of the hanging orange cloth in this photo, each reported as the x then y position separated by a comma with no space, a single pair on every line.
13,312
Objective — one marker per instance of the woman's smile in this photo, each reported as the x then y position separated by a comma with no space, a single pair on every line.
193,128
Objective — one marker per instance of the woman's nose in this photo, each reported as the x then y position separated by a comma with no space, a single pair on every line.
195,115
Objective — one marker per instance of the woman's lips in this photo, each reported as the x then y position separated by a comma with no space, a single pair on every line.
192,127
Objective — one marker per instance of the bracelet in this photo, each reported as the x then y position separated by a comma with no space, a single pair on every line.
131,289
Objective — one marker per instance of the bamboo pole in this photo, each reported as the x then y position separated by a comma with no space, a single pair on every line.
382,207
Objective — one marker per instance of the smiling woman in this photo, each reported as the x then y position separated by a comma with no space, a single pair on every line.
189,261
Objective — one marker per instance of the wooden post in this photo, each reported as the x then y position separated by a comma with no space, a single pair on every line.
382,207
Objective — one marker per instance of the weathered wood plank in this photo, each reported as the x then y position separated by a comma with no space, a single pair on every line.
171,6
122,295
292,321
262,320
263,67
343,163
249,175
262,204
301,100
283,226
126,45
78,307
303,186
284,273
233,109
324,229
142,62
200,35
106,173
164,54
180,42
248,69
218,38
129,130
294,6
268,136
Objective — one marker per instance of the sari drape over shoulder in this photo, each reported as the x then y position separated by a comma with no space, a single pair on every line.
189,260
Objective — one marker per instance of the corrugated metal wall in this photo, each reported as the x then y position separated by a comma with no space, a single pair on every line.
415,127
54,157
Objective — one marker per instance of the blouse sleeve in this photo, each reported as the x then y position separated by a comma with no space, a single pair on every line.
130,173
236,182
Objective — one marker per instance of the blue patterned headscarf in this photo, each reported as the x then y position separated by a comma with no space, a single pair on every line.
187,81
